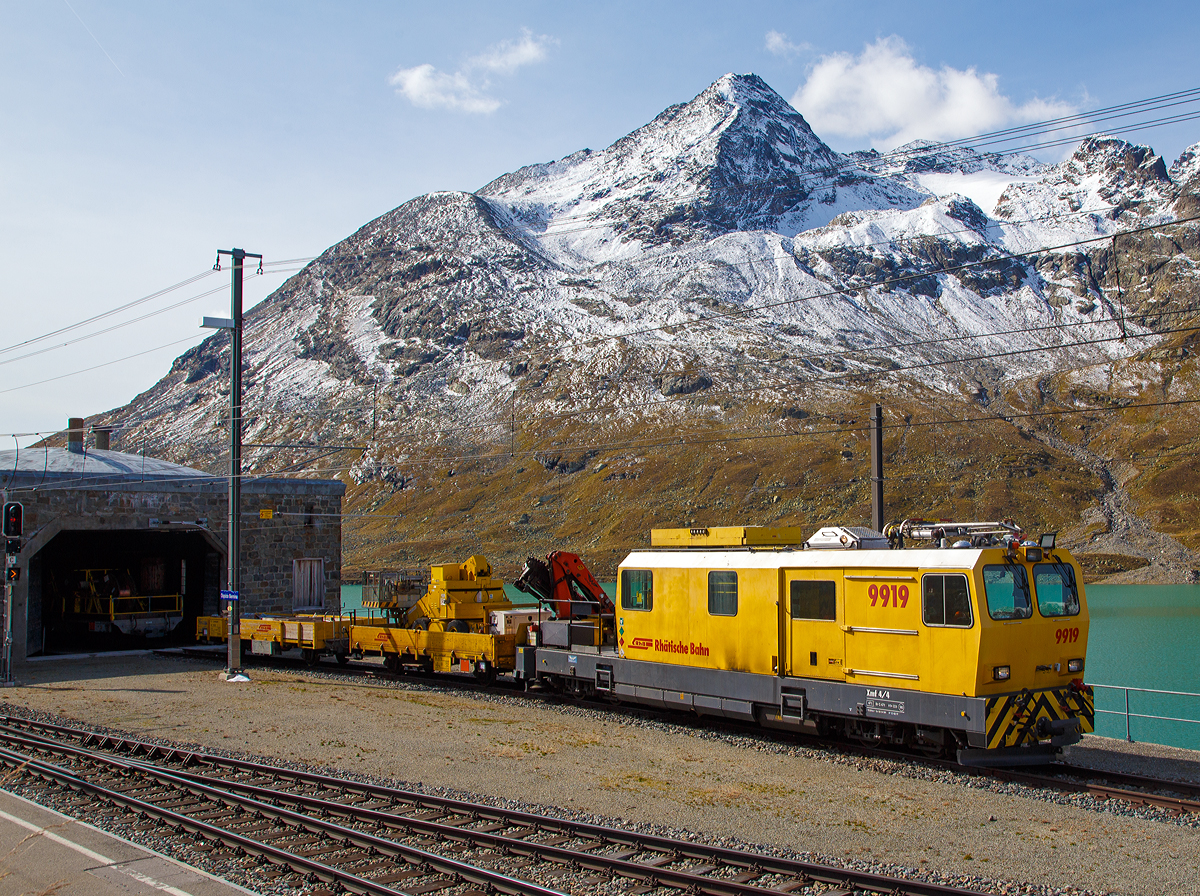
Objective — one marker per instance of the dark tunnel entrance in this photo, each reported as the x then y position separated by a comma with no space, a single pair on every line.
119,590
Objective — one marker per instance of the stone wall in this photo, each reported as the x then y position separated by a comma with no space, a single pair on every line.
305,523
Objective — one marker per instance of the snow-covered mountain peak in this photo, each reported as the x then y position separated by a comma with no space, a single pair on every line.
1187,165
1093,193
736,157
722,245
927,156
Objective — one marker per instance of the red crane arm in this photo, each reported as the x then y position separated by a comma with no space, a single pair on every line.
573,581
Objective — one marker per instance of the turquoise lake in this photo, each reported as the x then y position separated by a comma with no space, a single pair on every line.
1142,636
1146,636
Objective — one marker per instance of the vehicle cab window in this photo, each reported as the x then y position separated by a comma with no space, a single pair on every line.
1007,589
946,601
1056,591
813,600
637,589
722,593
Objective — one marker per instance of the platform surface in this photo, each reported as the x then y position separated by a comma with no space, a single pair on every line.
43,851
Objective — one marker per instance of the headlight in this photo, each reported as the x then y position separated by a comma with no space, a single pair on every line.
1001,673
1075,665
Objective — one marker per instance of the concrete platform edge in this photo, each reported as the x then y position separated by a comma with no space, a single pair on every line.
132,844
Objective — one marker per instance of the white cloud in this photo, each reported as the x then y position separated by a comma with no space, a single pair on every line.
778,43
425,86
508,56
885,95
467,90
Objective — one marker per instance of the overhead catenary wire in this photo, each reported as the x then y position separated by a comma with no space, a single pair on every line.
98,366
842,352
886,159
918,150
672,442
115,327
218,289
924,150
97,317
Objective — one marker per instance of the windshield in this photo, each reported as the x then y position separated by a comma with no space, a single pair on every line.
1007,590
1055,587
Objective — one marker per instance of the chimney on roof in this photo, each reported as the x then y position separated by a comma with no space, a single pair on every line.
101,433
75,435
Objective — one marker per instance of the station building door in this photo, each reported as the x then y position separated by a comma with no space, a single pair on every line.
99,590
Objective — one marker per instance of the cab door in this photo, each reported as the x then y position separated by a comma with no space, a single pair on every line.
812,609
882,615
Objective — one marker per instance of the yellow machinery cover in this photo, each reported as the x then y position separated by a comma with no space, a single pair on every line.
726,536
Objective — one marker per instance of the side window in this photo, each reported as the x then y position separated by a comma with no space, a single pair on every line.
946,601
1056,591
637,589
814,600
722,593
1007,590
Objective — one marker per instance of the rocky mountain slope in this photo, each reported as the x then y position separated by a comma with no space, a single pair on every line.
560,358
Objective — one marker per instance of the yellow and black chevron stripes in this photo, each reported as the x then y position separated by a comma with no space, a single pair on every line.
1012,719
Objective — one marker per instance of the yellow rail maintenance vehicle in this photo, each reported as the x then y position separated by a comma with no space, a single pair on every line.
974,645
447,627
108,600
308,636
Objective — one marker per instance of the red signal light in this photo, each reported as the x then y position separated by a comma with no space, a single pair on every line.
14,517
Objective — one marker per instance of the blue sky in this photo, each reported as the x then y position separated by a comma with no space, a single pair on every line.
137,138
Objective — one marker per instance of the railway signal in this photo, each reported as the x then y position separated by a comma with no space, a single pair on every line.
14,517
11,527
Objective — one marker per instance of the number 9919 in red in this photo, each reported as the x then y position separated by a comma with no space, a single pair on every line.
1066,635
897,596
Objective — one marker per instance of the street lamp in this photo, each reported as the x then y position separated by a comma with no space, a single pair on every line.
233,666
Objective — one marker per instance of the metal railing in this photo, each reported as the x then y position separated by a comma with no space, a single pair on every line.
1139,715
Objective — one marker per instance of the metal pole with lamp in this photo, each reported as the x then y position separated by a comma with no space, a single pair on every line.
233,669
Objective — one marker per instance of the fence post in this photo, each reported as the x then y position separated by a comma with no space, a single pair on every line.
1128,736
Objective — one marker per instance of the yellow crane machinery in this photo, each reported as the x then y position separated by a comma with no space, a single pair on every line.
460,598
447,629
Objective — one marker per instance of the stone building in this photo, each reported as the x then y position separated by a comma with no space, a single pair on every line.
121,550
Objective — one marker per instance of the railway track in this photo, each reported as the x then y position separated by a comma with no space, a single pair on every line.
1115,785
367,838
1174,796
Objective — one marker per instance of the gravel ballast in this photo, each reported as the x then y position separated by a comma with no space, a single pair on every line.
630,768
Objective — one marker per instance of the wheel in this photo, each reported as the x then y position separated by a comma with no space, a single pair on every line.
487,675
422,624
343,658
391,662
310,656
458,625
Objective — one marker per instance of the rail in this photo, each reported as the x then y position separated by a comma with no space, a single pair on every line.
1139,715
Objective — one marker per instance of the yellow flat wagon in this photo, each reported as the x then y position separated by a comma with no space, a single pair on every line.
313,636
436,651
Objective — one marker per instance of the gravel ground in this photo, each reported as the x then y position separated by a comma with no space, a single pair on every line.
1153,760
724,785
